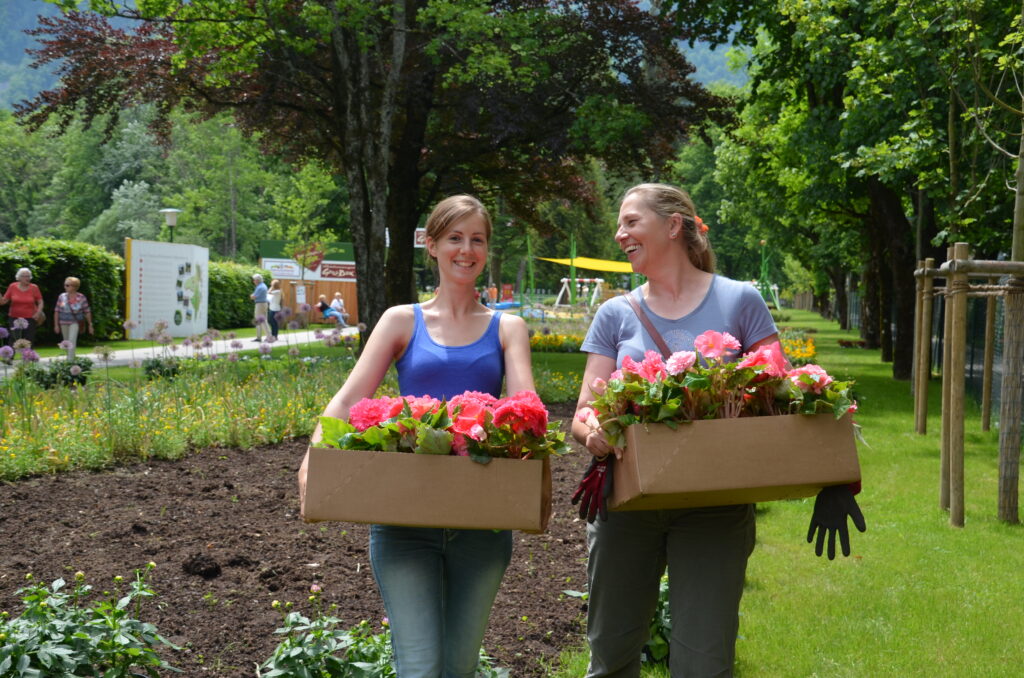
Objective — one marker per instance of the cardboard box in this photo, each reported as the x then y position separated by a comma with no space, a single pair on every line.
422,490
733,461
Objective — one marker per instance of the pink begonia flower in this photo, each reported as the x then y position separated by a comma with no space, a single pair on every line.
477,432
713,344
584,414
459,445
769,355
853,407
617,374
370,412
630,366
522,412
422,405
680,361
598,386
469,409
819,378
652,368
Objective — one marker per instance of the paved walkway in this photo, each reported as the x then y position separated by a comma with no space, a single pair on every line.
124,357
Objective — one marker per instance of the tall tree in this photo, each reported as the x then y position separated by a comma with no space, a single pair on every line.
408,99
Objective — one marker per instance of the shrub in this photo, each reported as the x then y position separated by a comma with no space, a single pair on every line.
51,261
58,372
57,635
161,368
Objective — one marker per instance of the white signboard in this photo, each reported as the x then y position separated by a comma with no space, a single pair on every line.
283,268
166,282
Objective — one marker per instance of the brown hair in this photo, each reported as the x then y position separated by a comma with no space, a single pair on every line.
71,280
453,209
665,200
275,284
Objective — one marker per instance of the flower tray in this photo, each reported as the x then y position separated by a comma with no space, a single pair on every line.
733,461
423,490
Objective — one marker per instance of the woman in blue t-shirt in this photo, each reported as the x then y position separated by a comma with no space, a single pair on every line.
439,584
705,549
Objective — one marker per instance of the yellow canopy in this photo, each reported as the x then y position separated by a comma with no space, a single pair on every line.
595,264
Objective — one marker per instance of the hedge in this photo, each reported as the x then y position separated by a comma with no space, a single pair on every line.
230,287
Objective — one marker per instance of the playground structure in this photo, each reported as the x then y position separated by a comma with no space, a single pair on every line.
958,272
590,295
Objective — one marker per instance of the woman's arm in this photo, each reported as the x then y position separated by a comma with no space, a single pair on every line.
515,340
385,343
589,433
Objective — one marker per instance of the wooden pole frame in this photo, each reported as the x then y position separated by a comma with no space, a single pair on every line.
957,349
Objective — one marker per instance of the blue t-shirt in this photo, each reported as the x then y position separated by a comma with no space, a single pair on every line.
729,306
428,368
259,295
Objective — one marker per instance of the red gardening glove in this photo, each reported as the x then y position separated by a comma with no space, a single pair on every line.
594,490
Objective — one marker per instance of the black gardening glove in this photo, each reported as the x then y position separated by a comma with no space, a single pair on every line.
594,490
831,508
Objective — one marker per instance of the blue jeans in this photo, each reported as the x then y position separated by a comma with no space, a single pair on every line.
706,550
438,587
331,312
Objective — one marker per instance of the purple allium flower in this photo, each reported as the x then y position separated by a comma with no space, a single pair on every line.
29,356
151,335
75,370
6,353
293,351
231,335
265,348
270,339
259,320
213,332
286,312
174,347
318,334
232,357
361,327
279,315
159,326
236,345
207,342
293,325
19,324
129,324
65,345
305,308
4,333
21,344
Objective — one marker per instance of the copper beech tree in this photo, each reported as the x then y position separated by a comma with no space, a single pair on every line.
409,100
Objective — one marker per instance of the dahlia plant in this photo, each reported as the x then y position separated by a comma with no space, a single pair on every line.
472,424
703,384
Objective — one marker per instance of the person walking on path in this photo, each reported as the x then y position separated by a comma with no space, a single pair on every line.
439,584
71,315
274,305
26,302
705,549
261,308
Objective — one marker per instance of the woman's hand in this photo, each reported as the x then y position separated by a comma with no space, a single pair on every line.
594,438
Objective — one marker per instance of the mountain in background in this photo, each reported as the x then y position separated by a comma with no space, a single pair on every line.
19,81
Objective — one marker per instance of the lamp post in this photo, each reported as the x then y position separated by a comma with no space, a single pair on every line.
171,217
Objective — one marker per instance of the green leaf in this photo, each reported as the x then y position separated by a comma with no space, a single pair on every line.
333,430
433,441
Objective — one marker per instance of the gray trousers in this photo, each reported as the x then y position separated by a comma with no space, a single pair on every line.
706,550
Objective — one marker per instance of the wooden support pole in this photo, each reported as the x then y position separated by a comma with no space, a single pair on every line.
1011,408
986,369
920,366
925,371
986,267
947,332
958,351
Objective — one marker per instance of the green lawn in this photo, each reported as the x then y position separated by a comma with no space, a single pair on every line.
917,597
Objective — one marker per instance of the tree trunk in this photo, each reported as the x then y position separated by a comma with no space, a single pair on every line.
870,296
887,209
838,279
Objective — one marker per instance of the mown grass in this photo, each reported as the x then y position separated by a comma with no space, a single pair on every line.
917,597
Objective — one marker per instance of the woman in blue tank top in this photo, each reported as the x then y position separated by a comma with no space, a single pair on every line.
439,584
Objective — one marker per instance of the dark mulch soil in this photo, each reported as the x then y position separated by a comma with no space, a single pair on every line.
223,528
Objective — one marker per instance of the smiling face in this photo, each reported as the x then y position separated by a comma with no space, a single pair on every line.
461,250
643,234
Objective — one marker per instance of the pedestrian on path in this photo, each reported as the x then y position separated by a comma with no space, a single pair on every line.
26,312
71,315
262,307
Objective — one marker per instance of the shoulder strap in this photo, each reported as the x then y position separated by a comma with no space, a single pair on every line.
648,325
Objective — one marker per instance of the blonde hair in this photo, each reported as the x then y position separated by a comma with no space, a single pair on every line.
275,284
665,200
71,280
453,209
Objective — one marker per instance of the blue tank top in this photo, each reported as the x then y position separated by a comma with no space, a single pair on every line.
428,368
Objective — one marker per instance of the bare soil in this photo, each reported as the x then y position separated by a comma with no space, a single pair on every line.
223,528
